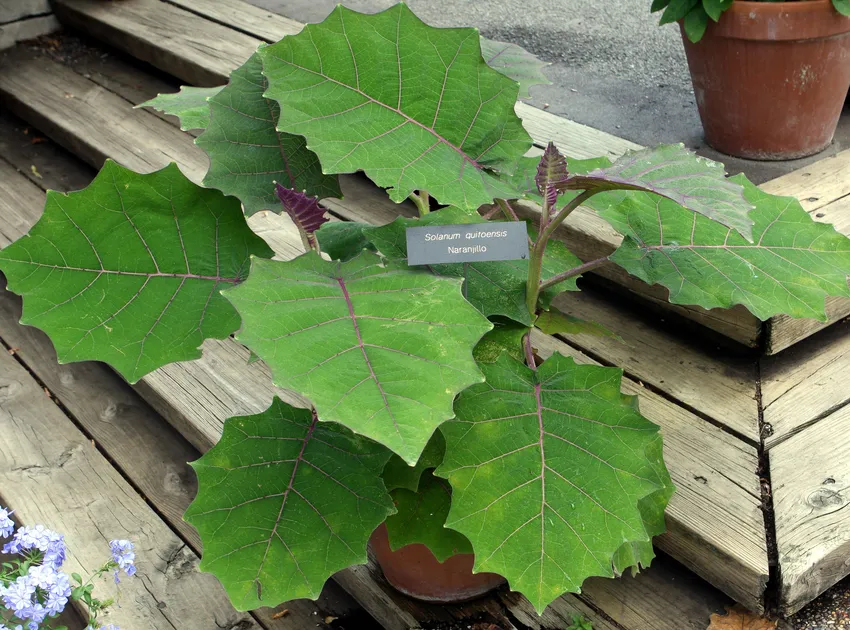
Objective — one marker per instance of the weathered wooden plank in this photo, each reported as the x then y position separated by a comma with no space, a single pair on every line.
243,17
811,496
182,60
716,384
13,10
805,383
16,193
52,474
29,28
824,182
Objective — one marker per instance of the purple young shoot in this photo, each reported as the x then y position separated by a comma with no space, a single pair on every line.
305,212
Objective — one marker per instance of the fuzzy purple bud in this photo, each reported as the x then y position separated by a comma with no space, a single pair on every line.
304,211
552,174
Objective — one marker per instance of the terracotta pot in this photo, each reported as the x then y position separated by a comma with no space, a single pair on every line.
414,571
770,78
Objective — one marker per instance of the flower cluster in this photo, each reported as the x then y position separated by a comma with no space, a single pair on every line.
34,590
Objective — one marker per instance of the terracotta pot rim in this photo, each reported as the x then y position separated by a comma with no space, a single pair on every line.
781,21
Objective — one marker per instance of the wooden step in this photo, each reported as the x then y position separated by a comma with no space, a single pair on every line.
716,525
174,35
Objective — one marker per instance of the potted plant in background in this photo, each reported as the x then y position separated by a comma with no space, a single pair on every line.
770,78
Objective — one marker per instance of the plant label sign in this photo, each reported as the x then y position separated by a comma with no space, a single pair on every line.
470,242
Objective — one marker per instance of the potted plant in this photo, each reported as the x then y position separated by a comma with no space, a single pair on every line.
419,412
770,78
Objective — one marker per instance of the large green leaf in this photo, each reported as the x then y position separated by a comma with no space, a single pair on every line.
377,347
190,105
248,155
496,288
421,518
515,62
128,270
792,265
673,171
284,502
414,107
548,471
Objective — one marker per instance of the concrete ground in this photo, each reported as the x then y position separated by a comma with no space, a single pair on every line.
613,67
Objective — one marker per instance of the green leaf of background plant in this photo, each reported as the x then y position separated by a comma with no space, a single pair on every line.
676,10
657,5
695,23
516,63
190,105
376,347
248,155
421,518
343,240
414,107
842,6
677,173
397,474
496,288
284,502
128,270
547,471
791,267
715,8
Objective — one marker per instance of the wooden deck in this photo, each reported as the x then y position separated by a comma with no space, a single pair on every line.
725,415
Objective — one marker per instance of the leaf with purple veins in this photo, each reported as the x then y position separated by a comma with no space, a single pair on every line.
672,171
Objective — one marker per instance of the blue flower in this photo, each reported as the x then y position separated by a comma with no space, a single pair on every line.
51,544
123,556
7,525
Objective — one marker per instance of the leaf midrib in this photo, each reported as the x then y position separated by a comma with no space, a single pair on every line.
118,272
399,112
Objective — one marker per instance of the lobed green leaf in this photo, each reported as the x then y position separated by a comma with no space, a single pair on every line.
516,63
377,347
247,153
677,173
128,270
190,105
421,518
792,265
414,107
548,470
284,502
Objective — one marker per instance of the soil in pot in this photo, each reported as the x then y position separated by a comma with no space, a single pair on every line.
770,78
415,571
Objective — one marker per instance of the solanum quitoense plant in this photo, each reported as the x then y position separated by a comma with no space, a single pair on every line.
554,475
